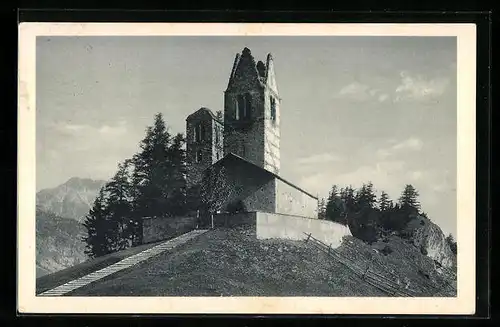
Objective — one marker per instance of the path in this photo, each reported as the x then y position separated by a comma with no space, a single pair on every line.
123,264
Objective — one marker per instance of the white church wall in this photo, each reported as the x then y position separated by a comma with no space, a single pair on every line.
292,201
278,226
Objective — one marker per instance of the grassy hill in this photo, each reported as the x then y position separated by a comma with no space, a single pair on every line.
232,262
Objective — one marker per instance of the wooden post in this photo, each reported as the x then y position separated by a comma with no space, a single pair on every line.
367,268
212,217
308,236
197,218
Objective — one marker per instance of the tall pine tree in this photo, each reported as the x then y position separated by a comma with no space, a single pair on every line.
408,200
119,207
151,172
176,197
384,203
349,199
96,223
334,210
365,197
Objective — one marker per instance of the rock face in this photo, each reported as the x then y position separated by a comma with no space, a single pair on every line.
59,243
72,199
430,239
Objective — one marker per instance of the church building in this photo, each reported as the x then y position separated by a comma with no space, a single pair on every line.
243,142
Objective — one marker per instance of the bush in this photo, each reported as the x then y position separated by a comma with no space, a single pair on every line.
386,250
236,207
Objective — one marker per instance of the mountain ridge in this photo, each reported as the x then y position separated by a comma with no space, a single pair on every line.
59,243
72,199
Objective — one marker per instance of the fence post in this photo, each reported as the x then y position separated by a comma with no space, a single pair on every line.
308,236
367,268
197,218
212,217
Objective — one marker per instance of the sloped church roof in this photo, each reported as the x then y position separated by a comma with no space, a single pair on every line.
233,159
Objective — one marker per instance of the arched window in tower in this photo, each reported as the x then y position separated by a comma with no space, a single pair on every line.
240,108
196,133
248,105
236,109
273,109
199,131
198,156
202,132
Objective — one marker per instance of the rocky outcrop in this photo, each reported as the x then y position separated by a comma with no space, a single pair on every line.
430,239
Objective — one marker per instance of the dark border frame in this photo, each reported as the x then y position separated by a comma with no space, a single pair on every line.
482,19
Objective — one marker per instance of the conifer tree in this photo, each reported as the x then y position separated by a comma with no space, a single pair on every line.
365,197
119,190
322,209
334,207
151,173
384,204
177,176
452,243
96,223
348,198
409,199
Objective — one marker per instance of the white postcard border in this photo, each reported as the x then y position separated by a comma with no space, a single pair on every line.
464,303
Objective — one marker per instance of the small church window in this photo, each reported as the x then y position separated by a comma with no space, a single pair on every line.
198,156
273,108
240,108
198,132
236,109
248,105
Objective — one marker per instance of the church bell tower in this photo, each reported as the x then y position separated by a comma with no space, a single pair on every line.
252,112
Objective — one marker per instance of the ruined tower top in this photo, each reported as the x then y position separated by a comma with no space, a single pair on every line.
249,74
252,112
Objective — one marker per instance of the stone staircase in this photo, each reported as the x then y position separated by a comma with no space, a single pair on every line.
123,264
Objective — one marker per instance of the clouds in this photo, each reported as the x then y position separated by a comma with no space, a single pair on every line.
90,132
412,144
319,158
418,87
361,91
406,86
91,150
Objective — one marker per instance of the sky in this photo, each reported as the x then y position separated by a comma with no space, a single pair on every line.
354,109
